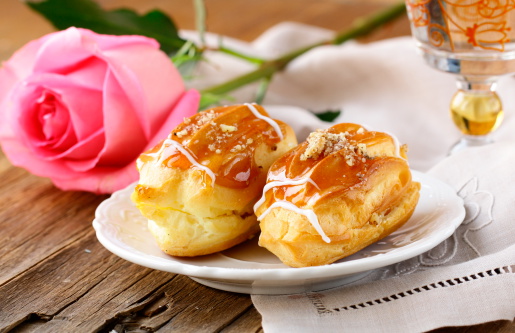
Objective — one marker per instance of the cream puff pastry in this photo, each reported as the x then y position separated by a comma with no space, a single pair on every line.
336,193
197,188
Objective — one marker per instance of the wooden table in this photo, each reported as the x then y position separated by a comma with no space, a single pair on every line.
54,274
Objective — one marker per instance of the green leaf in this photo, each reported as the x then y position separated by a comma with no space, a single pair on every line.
329,115
88,14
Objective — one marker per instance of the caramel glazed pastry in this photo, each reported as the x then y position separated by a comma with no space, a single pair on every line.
198,187
340,191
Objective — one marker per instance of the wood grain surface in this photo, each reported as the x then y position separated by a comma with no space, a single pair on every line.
54,274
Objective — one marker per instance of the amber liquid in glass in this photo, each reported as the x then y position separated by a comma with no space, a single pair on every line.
476,113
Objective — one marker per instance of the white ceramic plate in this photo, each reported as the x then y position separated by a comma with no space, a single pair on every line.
247,268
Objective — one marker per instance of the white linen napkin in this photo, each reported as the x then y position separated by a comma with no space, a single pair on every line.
467,279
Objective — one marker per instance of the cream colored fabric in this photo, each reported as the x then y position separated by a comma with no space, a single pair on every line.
467,279
463,294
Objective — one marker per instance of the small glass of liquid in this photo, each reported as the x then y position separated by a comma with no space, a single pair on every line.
475,40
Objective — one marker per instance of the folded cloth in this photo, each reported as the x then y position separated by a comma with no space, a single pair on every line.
467,279
474,292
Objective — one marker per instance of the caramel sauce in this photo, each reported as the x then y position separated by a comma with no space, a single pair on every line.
223,139
330,174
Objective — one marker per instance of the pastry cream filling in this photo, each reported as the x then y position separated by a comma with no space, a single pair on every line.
272,123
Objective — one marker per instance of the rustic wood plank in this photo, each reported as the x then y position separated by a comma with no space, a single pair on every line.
85,288
500,326
39,220
58,281
262,15
4,163
205,309
245,20
81,288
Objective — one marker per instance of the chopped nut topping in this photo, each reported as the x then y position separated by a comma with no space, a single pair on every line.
349,160
237,148
316,145
362,148
228,128
182,133
206,117
322,142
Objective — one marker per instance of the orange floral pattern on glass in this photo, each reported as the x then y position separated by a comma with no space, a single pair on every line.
452,23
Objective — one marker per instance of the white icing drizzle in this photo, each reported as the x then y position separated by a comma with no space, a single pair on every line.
179,147
308,213
269,120
286,182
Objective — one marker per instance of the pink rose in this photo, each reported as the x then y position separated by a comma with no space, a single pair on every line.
79,107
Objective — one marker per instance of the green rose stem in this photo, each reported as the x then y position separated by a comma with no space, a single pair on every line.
359,28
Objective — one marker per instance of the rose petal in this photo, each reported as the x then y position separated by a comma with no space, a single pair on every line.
8,80
95,108
30,110
108,180
90,75
19,65
159,89
69,42
186,107
86,150
73,105
83,104
124,137
20,156
53,124
78,45
109,42
101,180
12,72
98,180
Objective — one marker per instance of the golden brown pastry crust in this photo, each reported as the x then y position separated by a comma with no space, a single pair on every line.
360,189
203,203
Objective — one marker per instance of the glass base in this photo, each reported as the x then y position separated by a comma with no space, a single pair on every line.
488,65
469,141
